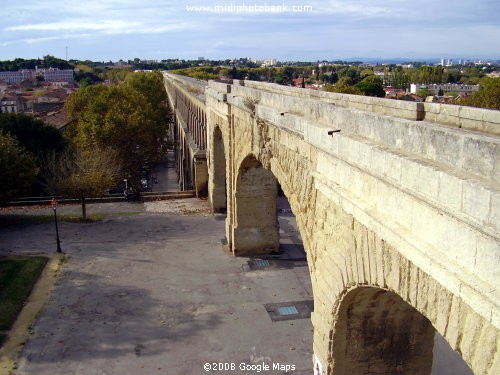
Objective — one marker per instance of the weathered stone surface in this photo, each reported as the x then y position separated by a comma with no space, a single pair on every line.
399,217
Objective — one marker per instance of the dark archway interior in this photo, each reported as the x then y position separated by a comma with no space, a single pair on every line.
377,332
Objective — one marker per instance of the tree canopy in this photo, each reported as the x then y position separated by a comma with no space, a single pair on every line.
34,135
47,62
371,86
129,118
82,173
488,95
18,169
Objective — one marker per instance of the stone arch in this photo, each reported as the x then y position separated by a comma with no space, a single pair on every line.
377,332
357,257
219,181
255,229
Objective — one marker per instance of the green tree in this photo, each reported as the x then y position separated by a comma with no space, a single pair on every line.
87,78
18,169
287,73
423,93
34,135
82,174
371,86
344,86
129,118
116,76
488,95
151,86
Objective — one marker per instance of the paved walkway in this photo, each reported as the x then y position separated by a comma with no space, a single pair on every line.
165,174
152,292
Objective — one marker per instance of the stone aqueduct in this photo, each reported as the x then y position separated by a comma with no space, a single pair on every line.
398,206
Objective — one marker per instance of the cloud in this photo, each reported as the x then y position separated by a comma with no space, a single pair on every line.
121,27
111,27
356,8
105,25
43,39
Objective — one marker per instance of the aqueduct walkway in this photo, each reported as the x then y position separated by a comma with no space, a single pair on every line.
398,205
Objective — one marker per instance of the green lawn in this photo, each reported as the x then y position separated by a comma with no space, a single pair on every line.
18,274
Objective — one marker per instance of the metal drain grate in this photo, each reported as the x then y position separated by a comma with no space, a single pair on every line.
287,310
261,263
275,264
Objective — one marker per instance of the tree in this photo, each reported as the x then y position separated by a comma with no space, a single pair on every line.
116,75
82,174
34,135
371,86
87,78
129,118
288,74
488,95
18,169
344,86
423,93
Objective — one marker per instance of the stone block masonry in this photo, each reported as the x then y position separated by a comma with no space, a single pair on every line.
397,205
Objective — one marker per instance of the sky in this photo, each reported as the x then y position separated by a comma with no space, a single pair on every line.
104,30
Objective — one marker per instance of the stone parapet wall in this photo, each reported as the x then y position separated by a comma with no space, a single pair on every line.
399,108
476,119
191,86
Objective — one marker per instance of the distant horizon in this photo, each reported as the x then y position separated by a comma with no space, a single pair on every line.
380,60
106,30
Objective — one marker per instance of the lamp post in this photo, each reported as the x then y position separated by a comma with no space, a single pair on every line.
54,207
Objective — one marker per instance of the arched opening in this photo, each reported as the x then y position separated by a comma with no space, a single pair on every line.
291,246
256,229
377,332
265,230
219,193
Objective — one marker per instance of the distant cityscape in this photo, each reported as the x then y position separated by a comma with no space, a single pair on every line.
40,87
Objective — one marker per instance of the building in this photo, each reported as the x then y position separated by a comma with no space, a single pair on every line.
17,76
12,104
447,87
56,75
264,63
49,75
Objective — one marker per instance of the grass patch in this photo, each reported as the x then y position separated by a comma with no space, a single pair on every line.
17,277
